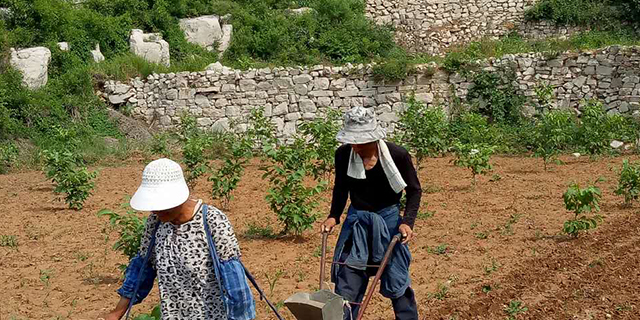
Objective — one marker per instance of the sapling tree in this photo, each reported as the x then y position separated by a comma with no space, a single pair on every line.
289,197
551,134
422,130
474,157
629,182
195,143
226,176
321,137
70,177
130,226
581,202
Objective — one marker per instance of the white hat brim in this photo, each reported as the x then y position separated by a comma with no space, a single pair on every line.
353,137
160,198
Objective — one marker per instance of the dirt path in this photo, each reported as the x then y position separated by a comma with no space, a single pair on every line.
503,234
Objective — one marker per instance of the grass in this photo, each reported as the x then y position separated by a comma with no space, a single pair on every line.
425,215
514,308
507,230
441,293
255,231
482,235
492,268
8,241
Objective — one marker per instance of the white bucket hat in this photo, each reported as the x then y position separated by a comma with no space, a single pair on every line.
163,187
360,127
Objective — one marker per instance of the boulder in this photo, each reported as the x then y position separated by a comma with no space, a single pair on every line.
64,46
5,13
149,46
96,54
33,63
227,32
215,67
300,11
203,31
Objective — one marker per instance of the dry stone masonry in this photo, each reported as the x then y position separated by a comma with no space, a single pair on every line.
221,95
432,26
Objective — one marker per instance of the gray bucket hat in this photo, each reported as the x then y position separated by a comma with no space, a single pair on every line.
360,127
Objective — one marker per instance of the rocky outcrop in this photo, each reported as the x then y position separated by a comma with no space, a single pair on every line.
33,63
149,46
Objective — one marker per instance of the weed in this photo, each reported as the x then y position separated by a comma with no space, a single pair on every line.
492,268
581,201
45,276
495,96
8,156
8,241
441,293
596,263
440,249
624,307
424,215
486,288
81,256
482,235
154,315
629,182
514,308
495,178
508,227
273,279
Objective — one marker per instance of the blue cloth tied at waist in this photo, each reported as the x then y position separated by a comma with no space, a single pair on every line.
370,234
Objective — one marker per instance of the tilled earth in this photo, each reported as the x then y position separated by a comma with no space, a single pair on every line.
478,248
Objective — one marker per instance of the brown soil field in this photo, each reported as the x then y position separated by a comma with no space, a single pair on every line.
503,243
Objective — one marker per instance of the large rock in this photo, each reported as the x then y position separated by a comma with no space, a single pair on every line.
203,31
96,54
227,32
5,13
149,46
64,46
33,63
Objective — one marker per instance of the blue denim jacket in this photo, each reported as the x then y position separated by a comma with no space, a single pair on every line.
235,291
371,233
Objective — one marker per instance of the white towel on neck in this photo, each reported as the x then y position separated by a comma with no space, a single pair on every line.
356,167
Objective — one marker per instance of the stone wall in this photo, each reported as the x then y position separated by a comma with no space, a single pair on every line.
432,26
290,95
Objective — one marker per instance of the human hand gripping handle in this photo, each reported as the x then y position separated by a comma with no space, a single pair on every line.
328,225
406,232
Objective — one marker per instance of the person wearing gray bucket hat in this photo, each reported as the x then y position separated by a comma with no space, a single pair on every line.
373,174
190,248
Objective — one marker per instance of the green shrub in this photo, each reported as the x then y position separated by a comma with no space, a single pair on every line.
629,181
581,202
195,146
226,177
472,128
394,67
8,156
495,96
474,157
553,133
423,130
575,12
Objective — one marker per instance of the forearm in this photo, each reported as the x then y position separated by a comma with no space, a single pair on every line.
412,207
338,203
119,311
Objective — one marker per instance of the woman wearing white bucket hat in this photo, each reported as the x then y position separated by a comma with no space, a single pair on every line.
190,248
373,174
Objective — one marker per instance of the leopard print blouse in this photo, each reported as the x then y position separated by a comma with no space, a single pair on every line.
186,280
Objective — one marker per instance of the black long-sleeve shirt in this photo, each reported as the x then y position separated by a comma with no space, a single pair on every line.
374,193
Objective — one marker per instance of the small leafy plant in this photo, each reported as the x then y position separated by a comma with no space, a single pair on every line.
154,315
69,176
8,241
226,177
581,201
629,182
321,135
474,157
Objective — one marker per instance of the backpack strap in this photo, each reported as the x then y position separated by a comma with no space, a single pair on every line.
152,244
216,264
